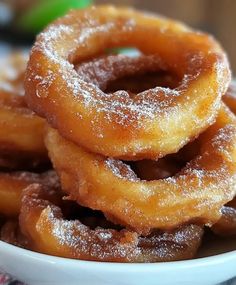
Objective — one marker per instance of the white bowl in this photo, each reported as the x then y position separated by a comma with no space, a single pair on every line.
40,269
216,263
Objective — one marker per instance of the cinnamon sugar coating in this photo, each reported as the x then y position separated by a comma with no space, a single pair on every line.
21,131
49,232
155,122
106,184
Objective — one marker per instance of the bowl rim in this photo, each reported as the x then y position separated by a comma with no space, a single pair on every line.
45,258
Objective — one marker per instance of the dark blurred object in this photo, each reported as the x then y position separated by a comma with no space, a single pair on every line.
6,14
21,20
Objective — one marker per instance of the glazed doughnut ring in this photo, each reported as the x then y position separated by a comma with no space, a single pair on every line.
101,183
226,226
42,222
153,123
21,134
21,131
12,185
10,232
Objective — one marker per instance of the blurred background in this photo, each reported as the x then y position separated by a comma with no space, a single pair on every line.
20,20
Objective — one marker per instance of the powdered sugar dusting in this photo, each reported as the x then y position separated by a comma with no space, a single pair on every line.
44,84
121,169
102,244
229,212
117,107
98,244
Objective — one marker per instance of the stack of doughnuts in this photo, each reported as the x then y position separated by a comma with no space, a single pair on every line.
142,147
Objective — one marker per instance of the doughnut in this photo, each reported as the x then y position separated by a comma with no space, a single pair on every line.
110,185
11,233
12,185
153,123
21,131
42,222
12,75
21,134
141,147
226,226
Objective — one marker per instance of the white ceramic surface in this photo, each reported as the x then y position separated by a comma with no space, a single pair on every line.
39,269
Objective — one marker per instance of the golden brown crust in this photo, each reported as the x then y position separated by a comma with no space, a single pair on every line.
12,185
111,186
226,226
114,124
21,131
10,232
112,114
49,232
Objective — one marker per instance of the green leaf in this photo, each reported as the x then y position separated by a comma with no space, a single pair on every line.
45,11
